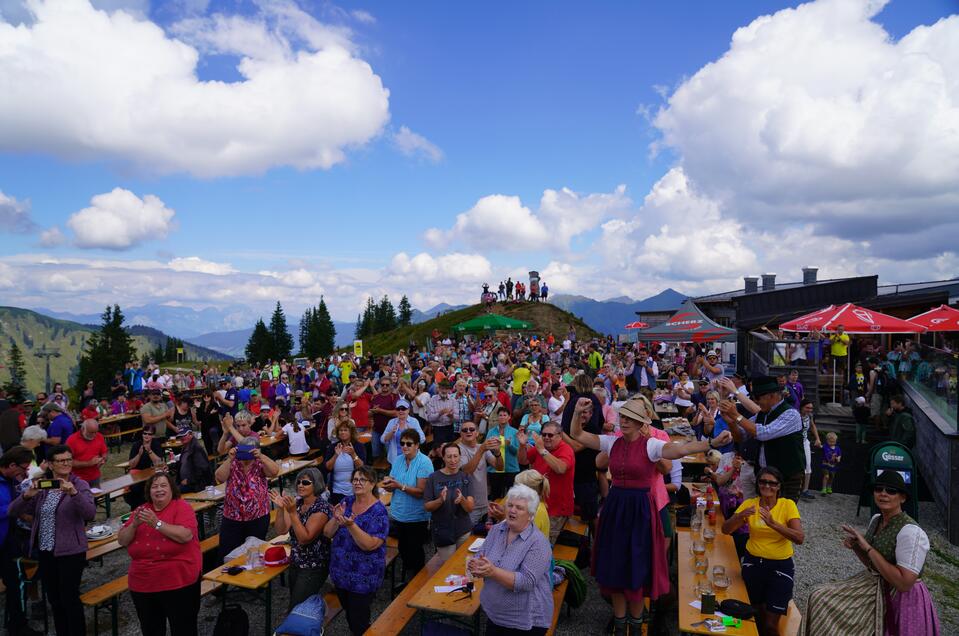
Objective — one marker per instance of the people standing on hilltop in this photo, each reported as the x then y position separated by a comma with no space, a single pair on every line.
509,289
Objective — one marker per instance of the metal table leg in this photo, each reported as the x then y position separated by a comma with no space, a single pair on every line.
268,617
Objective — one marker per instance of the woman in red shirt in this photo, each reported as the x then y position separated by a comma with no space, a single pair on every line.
165,561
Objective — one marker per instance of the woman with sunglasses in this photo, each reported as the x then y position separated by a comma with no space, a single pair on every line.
339,415
358,529
767,566
304,518
407,481
448,498
888,597
342,457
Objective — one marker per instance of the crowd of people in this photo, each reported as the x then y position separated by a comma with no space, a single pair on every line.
507,437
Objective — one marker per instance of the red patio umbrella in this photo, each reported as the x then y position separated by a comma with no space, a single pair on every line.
854,319
636,325
942,318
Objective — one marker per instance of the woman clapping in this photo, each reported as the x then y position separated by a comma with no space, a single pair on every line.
165,560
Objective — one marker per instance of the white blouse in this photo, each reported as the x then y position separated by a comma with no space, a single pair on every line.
912,545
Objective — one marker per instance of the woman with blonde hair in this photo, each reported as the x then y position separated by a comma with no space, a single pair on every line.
540,485
339,415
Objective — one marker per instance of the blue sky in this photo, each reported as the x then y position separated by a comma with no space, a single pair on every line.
510,99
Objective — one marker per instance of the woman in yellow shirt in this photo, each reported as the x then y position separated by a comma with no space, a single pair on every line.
535,480
768,569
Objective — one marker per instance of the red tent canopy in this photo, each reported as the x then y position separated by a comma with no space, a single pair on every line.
636,325
854,319
942,318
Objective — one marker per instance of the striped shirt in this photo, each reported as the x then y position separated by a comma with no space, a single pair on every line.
530,603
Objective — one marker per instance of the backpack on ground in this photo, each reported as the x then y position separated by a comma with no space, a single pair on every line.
232,621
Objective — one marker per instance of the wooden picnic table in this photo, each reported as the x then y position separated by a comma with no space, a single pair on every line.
214,495
452,607
123,482
665,408
250,580
722,551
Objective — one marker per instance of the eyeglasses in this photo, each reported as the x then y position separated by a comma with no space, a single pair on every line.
408,444
545,435
385,386
769,483
68,460
304,482
360,480
467,430
886,489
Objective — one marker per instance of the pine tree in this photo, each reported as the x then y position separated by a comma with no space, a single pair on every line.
369,319
358,330
282,340
259,347
326,339
385,316
406,312
305,332
16,386
106,352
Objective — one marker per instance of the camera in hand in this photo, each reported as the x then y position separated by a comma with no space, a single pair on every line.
48,484
244,452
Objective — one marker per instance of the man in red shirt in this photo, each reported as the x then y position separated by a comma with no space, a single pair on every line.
555,459
359,397
89,452
383,409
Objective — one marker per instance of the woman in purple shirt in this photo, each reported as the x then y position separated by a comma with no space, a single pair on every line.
515,559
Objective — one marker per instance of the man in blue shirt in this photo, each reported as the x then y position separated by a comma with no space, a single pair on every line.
13,469
59,429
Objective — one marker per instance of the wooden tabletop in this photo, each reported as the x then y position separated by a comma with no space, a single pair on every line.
203,495
721,552
113,419
125,481
665,407
248,579
431,601
269,440
288,468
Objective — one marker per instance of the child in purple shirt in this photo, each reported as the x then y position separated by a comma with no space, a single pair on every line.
831,456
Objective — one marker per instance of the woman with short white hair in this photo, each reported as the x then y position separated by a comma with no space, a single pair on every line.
515,559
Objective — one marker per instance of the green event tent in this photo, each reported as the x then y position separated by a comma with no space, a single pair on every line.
491,322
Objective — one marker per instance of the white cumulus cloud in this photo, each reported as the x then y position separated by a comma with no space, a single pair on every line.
87,84
456,266
817,115
119,219
52,237
15,215
502,222
413,144
197,264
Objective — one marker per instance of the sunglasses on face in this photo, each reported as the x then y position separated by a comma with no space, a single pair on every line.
885,489
467,430
769,483
304,482
408,444
545,435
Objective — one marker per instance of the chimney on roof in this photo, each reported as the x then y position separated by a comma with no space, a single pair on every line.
809,275
769,282
752,284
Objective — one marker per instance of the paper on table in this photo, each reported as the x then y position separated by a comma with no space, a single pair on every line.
699,605
445,589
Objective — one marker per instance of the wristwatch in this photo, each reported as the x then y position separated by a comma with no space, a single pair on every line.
403,487
159,524
739,419
545,452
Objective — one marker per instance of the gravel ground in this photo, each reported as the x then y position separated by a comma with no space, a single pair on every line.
820,559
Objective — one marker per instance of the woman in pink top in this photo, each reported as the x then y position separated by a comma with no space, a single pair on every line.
165,560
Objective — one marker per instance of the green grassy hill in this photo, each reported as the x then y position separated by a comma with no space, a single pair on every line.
31,331
546,318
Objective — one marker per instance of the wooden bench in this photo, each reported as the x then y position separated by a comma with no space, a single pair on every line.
118,435
381,465
398,613
110,593
789,624
576,526
333,608
560,553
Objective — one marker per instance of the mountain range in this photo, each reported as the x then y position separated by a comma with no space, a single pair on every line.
227,330
611,315
32,331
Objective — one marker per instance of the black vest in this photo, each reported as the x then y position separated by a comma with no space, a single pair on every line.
785,453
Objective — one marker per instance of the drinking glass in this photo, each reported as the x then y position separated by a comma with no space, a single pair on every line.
701,564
